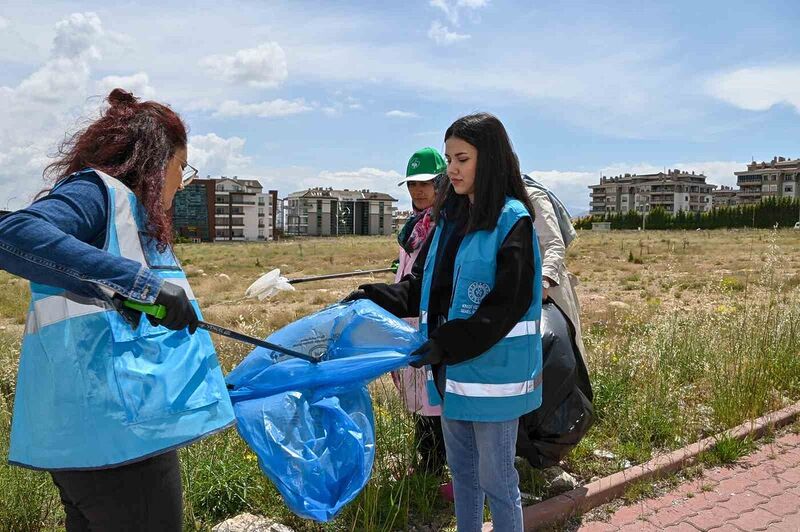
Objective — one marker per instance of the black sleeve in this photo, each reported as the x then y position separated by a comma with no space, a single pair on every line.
503,306
402,298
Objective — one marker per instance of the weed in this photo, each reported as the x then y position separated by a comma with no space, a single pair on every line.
700,351
727,450
731,284
639,490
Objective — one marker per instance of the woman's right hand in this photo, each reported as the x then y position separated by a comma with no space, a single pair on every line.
180,313
354,295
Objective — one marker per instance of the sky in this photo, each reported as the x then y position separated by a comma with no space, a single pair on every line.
300,94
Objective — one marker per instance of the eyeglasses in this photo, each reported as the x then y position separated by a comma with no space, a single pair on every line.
189,173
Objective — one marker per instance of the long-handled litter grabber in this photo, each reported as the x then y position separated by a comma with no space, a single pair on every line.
272,282
160,311
339,275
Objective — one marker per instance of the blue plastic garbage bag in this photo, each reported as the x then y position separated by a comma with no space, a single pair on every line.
311,425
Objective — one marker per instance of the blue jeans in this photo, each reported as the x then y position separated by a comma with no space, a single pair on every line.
481,460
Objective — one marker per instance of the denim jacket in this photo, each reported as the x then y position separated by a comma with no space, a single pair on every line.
58,241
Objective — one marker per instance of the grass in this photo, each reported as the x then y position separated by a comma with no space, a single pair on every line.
727,450
698,337
30,499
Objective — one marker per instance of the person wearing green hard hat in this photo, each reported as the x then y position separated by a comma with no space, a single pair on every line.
424,173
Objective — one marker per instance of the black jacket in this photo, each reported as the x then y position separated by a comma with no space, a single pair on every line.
500,310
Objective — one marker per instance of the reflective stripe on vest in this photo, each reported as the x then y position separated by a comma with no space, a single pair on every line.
94,392
479,389
57,308
524,328
54,309
505,381
127,234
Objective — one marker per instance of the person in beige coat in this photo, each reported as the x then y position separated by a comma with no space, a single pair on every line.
558,284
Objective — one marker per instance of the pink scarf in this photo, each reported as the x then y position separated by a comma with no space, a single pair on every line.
421,230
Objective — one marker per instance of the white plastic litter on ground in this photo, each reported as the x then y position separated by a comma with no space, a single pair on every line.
268,285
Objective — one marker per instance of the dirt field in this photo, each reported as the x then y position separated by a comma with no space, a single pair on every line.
688,333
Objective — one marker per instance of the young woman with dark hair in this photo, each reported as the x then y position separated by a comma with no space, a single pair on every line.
476,286
104,398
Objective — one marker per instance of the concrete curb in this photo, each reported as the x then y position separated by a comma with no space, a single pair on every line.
558,509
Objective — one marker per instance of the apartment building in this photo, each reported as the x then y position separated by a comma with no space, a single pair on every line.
724,197
224,209
327,212
778,178
400,219
673,190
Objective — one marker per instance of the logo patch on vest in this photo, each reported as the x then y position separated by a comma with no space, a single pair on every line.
477,291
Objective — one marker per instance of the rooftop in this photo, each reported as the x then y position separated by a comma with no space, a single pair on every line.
346,194
777,163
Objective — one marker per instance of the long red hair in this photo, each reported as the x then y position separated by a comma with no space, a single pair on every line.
132,141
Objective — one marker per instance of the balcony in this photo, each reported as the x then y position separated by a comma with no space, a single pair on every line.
225,221
748,179
239,199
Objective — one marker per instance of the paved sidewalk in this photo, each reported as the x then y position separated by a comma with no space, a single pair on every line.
762,492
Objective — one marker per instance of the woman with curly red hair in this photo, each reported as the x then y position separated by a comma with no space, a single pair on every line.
105,398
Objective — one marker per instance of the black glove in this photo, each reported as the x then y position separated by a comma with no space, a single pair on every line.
430,353
355,294
180,313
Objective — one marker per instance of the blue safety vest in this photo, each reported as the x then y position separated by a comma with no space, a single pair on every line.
94,392
504,382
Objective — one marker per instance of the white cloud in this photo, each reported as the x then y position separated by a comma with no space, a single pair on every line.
473,4
35,114
266,109
569,186
371,178
212,154
453,8
78,35
263,66
76,45
59,77
717,172
138,84
4,23
340,104
441,34
758,88
396,113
